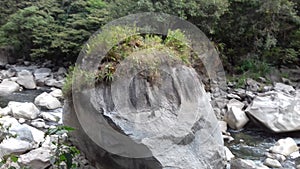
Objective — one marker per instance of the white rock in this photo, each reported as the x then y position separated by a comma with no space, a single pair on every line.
24,110
8,87
13,145
233,96
235,103
57,93
38,135
47,100
54,83
228,138
223,126
284,88
228,154
8,121
37,158
285,146
22,120
21,132
295,155
5,111
39,123
26,79
42,73
279,157
278,111
50,117
272,163
246,164
236,118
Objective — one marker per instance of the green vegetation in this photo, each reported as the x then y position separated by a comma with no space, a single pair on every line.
242,30
175,45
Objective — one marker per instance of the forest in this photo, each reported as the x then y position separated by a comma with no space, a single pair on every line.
251,36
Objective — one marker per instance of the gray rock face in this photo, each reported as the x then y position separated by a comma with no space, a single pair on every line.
280,112
54,83
41,75
26,79
168,124
7,87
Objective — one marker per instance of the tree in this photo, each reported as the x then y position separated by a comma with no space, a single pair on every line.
53,28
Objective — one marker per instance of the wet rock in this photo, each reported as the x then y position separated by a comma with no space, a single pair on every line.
285,146
279,157
24,110
272,163
26,79
8,87
236,118
245,164
278,111
47,100
37,158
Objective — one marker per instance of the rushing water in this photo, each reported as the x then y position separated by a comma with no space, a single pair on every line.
252,143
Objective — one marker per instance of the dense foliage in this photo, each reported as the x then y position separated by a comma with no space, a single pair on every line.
249,34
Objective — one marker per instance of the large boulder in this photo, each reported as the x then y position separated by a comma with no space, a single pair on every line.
24,110
278,111
135,123
47,100
8,87
26,79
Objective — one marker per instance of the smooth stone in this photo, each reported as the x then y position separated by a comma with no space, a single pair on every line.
13,145
236,118
272,163
8,87
47,100
285,146
26,79
57,93
24,110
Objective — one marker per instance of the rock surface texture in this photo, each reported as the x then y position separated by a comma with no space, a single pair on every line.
278,111
168,124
